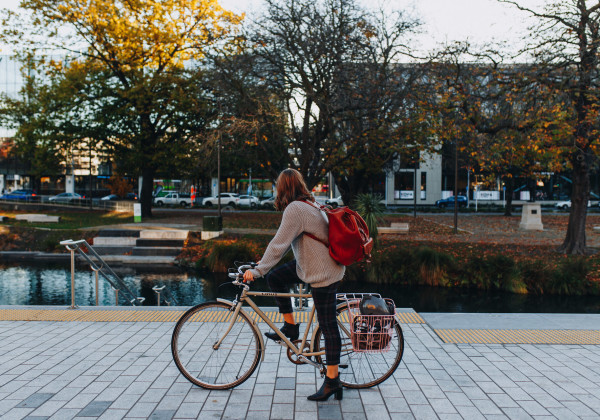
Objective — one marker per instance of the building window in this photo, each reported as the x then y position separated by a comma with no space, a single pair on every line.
404,185
423,185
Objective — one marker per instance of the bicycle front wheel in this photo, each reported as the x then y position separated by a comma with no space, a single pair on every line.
364,369
198,354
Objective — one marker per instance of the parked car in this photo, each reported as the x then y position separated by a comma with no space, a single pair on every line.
131,196
20,195
268,203
321,199
66,198
334,202
449,202
566,205
227,199
174,198
249,201
110,197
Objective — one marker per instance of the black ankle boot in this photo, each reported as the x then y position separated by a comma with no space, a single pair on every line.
291,331
329,387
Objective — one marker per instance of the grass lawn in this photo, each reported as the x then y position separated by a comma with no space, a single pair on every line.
72,220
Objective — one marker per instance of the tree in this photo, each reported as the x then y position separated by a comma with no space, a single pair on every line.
252,117
29,117
497,116
331,65
565,45
133,57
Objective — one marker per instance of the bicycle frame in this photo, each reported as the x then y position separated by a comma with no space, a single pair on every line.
245,297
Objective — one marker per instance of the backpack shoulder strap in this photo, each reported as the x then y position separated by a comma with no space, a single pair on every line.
310,235
315,205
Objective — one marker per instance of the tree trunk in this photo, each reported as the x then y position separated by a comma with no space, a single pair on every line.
575,241
510,189
147,187
351,185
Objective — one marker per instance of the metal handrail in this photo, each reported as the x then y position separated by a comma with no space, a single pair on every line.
167,296
99,266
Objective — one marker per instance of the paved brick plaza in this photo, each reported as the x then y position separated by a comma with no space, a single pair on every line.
114,370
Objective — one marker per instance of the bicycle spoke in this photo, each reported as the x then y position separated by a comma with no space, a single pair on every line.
363,369
194,342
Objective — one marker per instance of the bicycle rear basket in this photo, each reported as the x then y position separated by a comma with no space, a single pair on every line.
369,333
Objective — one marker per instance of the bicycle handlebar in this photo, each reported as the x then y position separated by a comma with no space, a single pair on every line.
237,276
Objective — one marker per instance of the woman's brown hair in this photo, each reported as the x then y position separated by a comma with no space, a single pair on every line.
291,187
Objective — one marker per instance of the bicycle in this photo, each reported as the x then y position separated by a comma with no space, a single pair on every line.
218,345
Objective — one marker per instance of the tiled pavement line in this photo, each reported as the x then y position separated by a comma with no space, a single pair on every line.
112,314
103,362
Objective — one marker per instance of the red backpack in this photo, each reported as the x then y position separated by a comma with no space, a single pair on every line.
349,239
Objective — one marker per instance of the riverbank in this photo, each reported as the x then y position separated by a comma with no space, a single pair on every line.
489,253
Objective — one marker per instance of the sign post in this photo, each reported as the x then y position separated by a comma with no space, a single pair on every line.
137,212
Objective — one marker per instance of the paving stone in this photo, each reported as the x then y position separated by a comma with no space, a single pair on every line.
237,411
94,409
377,412
285,383
442,406
329,411
162,415
34,400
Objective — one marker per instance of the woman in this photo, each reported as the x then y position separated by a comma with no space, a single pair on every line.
312,265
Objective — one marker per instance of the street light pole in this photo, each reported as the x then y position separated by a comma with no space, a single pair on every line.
415,190
219,161
455,187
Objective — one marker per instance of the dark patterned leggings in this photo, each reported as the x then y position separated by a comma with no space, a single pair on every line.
281,278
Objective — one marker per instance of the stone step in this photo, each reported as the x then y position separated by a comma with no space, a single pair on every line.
164,234
117,233
155,251
112,250
177,243
37,218
115,241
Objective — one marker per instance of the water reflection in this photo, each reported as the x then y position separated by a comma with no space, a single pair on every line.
51,285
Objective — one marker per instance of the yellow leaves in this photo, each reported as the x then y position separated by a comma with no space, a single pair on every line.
142,33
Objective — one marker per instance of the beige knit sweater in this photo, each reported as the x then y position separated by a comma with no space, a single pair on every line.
313,263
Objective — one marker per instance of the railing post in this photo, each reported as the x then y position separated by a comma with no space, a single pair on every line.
96,274
116,297
157,290
72,278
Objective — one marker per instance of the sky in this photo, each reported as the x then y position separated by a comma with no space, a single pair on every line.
445,21
478,21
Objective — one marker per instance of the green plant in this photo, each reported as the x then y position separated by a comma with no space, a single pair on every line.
370,208
433,266
535,274
223,255
570,278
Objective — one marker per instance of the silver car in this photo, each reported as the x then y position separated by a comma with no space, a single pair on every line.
65,198
249,201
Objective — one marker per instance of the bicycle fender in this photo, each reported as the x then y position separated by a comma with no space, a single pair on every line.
261,341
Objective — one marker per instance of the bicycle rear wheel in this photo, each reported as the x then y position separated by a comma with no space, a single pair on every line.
364,369
194,352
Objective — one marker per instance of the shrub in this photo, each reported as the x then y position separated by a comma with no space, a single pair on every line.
498,272
223,255
371,210
535,274
570,278
433,266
